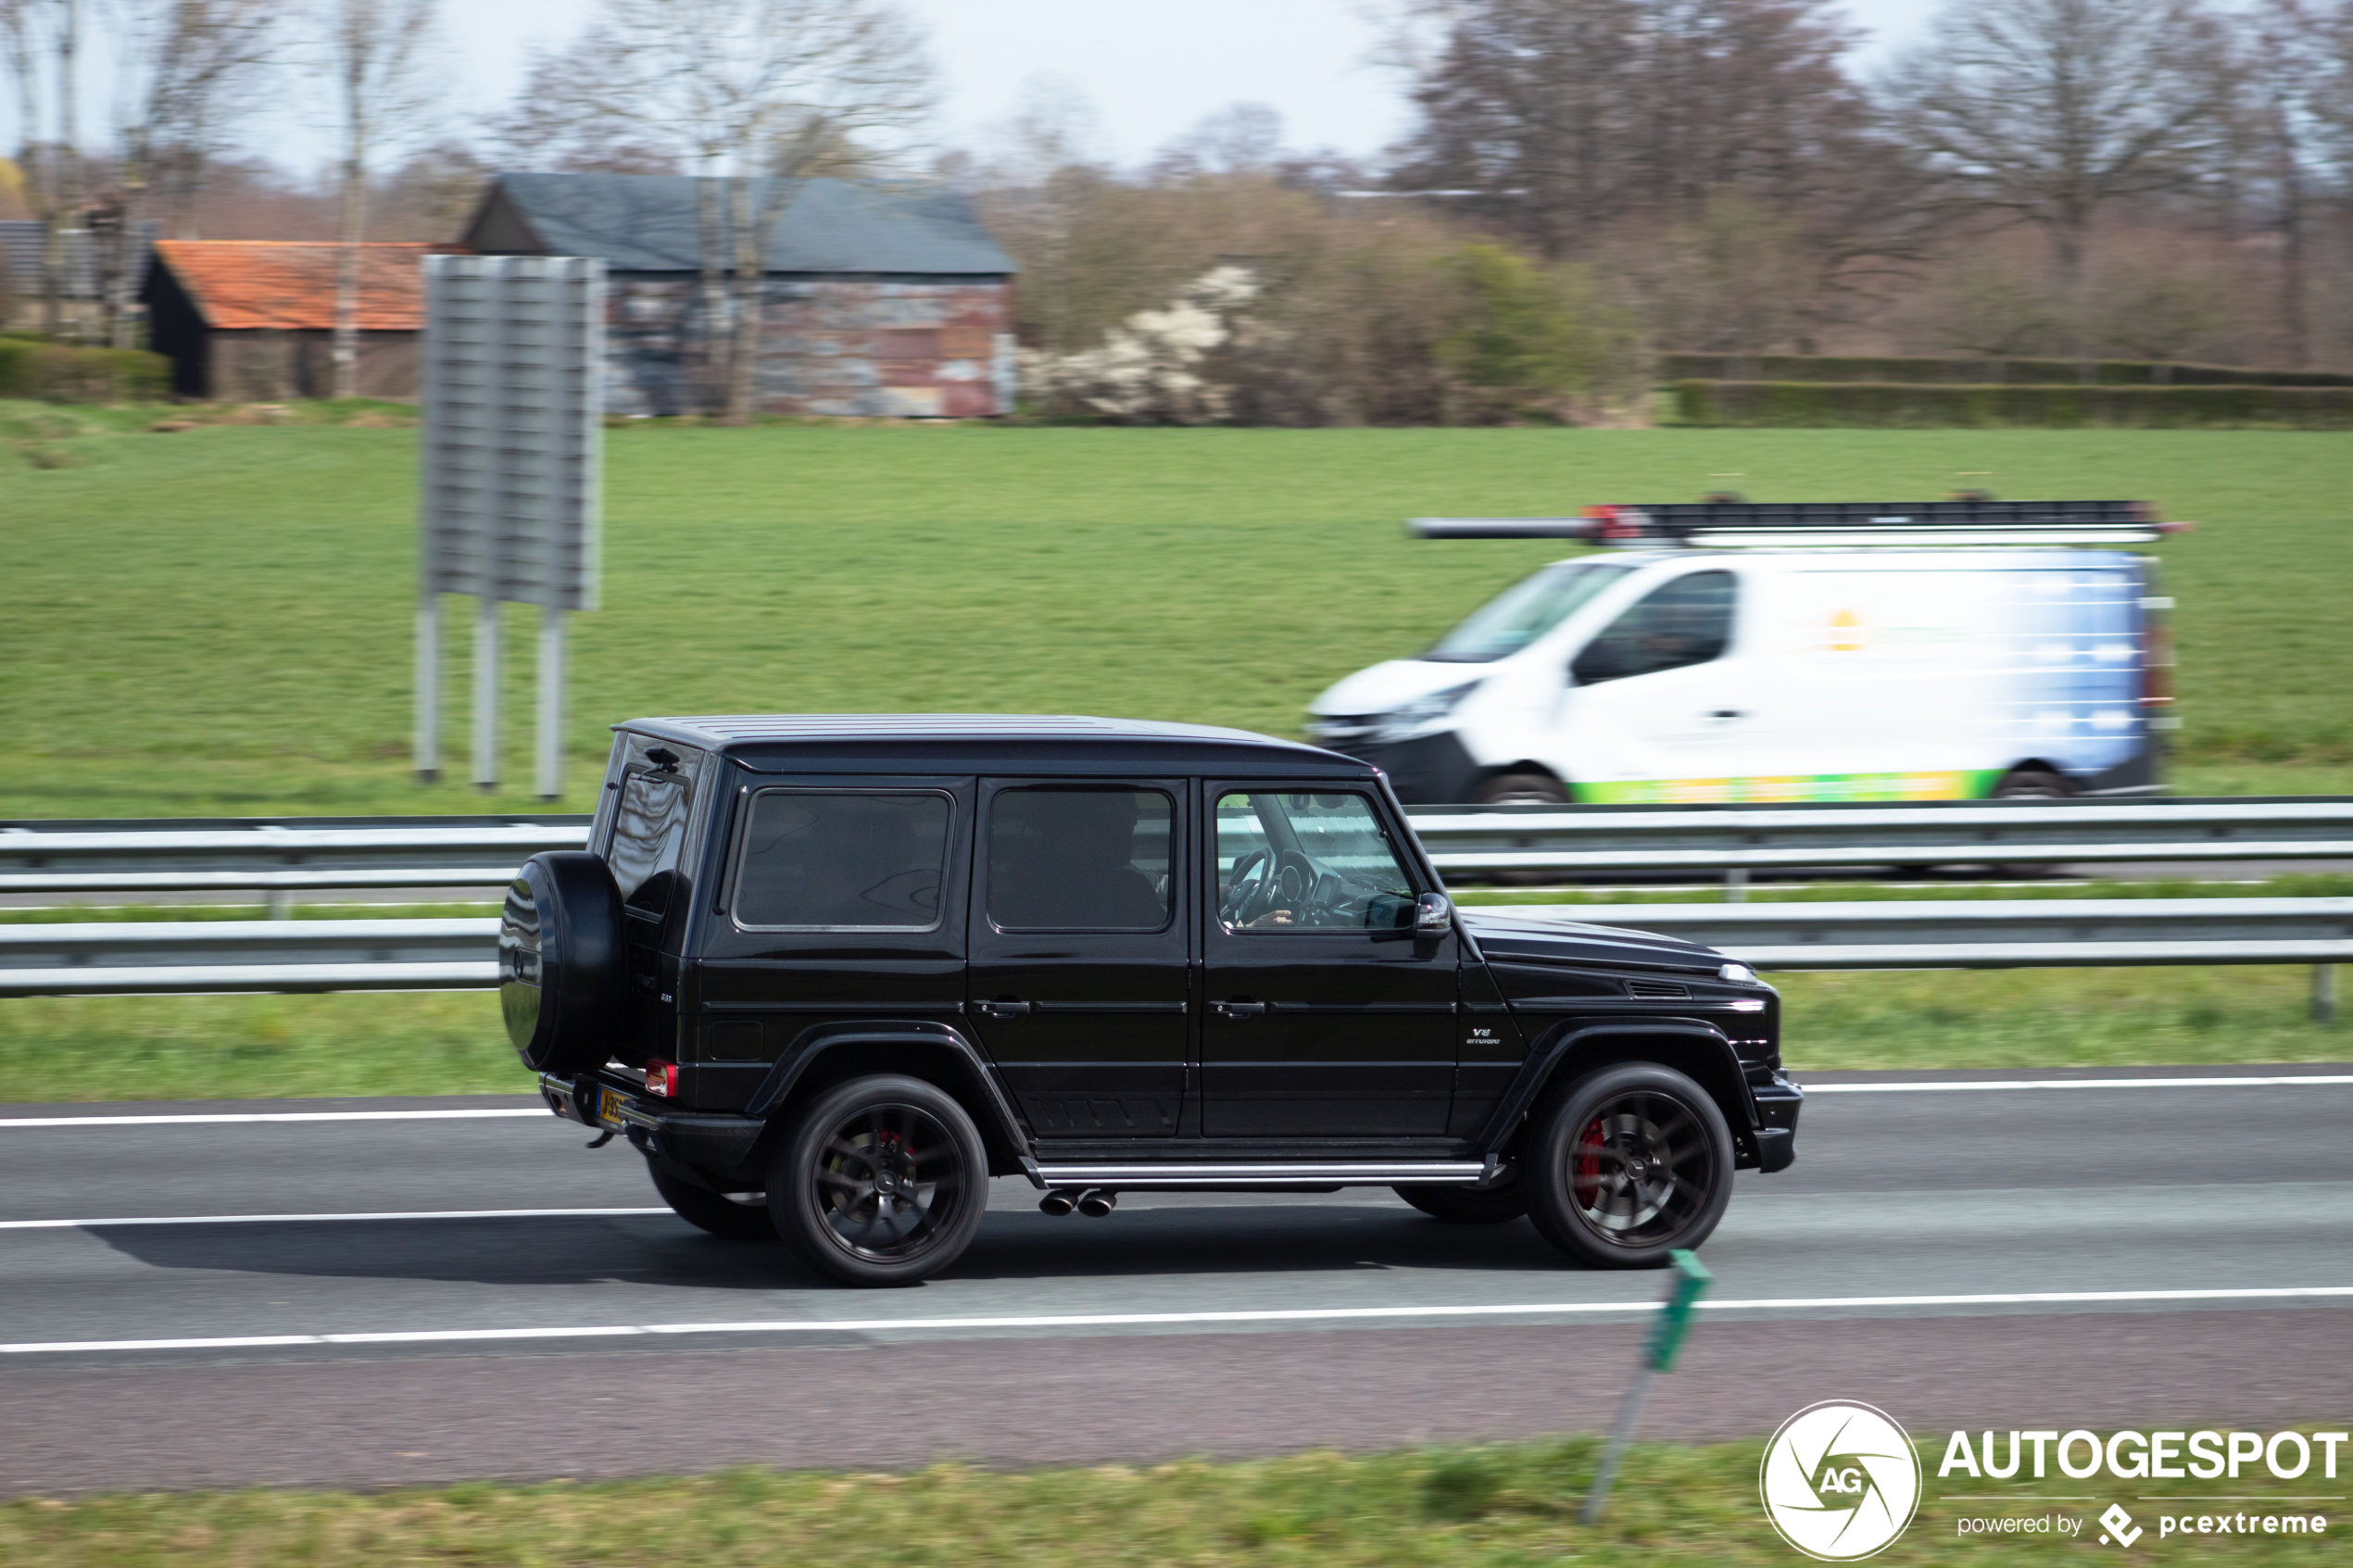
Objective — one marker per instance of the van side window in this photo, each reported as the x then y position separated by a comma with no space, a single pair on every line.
818,860
1687,620
1079,860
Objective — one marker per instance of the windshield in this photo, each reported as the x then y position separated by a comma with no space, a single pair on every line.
1524,612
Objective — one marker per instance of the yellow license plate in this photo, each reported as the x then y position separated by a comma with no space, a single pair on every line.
608,1104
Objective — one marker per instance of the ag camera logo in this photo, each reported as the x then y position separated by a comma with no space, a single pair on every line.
1840,1481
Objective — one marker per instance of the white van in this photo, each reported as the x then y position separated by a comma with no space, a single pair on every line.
1693,675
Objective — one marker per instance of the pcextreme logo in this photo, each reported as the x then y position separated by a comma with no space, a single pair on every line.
1840,1481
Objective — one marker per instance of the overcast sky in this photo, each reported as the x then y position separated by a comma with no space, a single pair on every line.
1150,68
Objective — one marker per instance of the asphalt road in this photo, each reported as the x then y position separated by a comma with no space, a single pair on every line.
483,1296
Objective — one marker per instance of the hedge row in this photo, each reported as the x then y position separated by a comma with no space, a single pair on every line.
59,374
2031,372
1701,402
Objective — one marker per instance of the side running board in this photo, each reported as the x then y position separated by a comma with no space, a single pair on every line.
1139,1176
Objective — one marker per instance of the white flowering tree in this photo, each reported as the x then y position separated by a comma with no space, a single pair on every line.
1148,369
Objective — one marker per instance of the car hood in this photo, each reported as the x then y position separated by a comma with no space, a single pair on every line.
1519,936
1386,687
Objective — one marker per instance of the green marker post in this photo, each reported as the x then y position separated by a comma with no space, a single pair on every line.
1690,1282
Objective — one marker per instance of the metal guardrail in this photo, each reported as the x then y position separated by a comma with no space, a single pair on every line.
1991,933
273,857
1710,842
284,857
183,956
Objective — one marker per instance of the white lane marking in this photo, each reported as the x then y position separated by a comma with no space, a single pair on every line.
216,1118
1959,1087
326,1219
1162,1320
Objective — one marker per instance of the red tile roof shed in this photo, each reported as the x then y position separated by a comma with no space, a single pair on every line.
290,284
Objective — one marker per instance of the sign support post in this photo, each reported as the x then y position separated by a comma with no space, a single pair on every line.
513,382
487,629
428,739
1691,1280
551,702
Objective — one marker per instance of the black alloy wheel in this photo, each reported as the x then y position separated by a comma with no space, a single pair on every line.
1633,1162
1467,1205
717,1213
882,1181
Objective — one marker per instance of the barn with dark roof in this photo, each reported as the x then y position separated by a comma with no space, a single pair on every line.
878,301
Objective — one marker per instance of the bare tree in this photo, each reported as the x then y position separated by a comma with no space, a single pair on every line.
2047,111
43,40
1569,118
377,55
2291,64
758,96
185,70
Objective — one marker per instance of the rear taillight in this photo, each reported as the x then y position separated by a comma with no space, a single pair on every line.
661,1078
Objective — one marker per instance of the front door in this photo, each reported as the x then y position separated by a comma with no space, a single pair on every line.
1079,983
1326,1015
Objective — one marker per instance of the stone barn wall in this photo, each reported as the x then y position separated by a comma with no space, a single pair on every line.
856,346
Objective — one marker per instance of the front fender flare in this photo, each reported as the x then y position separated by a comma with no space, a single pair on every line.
1569,1045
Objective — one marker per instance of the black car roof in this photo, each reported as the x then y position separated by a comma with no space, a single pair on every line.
770,741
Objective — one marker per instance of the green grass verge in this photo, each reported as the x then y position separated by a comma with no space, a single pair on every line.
1504,1506
449,1043
218,620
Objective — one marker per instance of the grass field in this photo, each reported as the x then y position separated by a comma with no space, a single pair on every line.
1504,1506
219,619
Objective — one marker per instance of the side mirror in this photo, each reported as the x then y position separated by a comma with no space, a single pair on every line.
1433,915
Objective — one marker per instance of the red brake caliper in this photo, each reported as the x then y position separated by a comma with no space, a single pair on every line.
1586,1167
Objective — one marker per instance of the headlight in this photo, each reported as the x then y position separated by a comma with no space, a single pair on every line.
1424,710
1738,974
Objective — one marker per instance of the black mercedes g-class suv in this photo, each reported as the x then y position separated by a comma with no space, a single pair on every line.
829,975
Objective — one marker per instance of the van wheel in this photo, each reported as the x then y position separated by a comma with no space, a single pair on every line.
1632,1162
881,1181
1467,1205
714,1212
2029,783
1521,789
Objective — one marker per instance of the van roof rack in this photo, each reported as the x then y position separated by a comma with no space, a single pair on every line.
1848,524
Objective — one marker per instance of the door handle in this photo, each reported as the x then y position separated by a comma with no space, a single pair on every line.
1238,1009
1729,713
1001,1009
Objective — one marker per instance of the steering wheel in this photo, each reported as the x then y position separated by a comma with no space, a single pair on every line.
1293,884
1250,888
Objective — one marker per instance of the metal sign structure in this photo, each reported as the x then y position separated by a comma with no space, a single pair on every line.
510,502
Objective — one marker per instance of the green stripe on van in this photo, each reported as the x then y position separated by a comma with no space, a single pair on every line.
1965,784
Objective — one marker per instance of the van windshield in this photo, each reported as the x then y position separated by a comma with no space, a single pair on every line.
1525,611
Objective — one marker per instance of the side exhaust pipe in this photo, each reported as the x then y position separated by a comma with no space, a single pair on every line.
1057,1203
1096,1202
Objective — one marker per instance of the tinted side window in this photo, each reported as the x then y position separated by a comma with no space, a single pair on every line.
842,860
1308,862
1079,860
649,828
1686,622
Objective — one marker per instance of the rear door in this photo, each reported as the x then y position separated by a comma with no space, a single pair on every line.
1325,1016
844,900
1080,984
